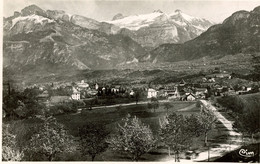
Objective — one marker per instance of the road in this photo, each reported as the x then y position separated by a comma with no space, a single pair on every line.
126,104
116,105
233,142
221,118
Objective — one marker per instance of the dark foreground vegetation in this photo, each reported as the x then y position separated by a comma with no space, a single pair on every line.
245,109
235,156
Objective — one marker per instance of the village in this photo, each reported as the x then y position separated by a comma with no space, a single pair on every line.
76,103
206,87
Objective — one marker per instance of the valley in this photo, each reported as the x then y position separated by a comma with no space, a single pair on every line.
144,86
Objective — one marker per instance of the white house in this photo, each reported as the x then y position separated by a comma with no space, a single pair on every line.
191,97
75,95
151,93
96,86
131,93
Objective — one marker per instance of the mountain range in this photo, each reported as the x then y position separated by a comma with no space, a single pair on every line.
156,28
239,33
52,40
44,40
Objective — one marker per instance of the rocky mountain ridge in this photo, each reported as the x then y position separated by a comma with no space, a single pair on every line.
150,30
239,33
38,40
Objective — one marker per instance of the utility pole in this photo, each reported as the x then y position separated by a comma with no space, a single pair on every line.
208,152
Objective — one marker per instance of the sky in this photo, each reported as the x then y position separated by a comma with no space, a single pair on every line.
213,10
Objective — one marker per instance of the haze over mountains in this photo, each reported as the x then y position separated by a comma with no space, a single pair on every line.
39,40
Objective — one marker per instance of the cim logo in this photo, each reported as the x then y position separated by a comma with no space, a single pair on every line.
245,153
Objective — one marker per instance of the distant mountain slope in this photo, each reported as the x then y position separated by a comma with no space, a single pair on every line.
239,33
150,30
154,29
51,40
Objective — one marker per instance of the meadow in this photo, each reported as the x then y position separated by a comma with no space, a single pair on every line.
112,116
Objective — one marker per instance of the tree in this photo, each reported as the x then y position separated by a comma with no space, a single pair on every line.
167,106
177,133
207,122
137,96
9,150
256,65
51,140
154,103
133,138
22,104
93,139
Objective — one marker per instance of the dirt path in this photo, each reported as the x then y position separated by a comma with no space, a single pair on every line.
188,108
221,118
221,147
233,142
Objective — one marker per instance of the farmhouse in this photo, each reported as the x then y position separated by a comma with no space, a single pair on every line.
43,97
131,93
176,94
75,95
151,93
188,97
191,97
182,83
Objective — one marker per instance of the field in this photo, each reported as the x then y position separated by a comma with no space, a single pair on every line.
112,116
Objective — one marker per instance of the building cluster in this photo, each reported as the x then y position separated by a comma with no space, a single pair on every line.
181,91
201,89
80,91
207,86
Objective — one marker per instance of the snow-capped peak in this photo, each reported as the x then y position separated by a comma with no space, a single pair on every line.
36,18
179,13
136,22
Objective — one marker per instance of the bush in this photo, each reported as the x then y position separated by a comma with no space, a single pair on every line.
63,108
234,103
